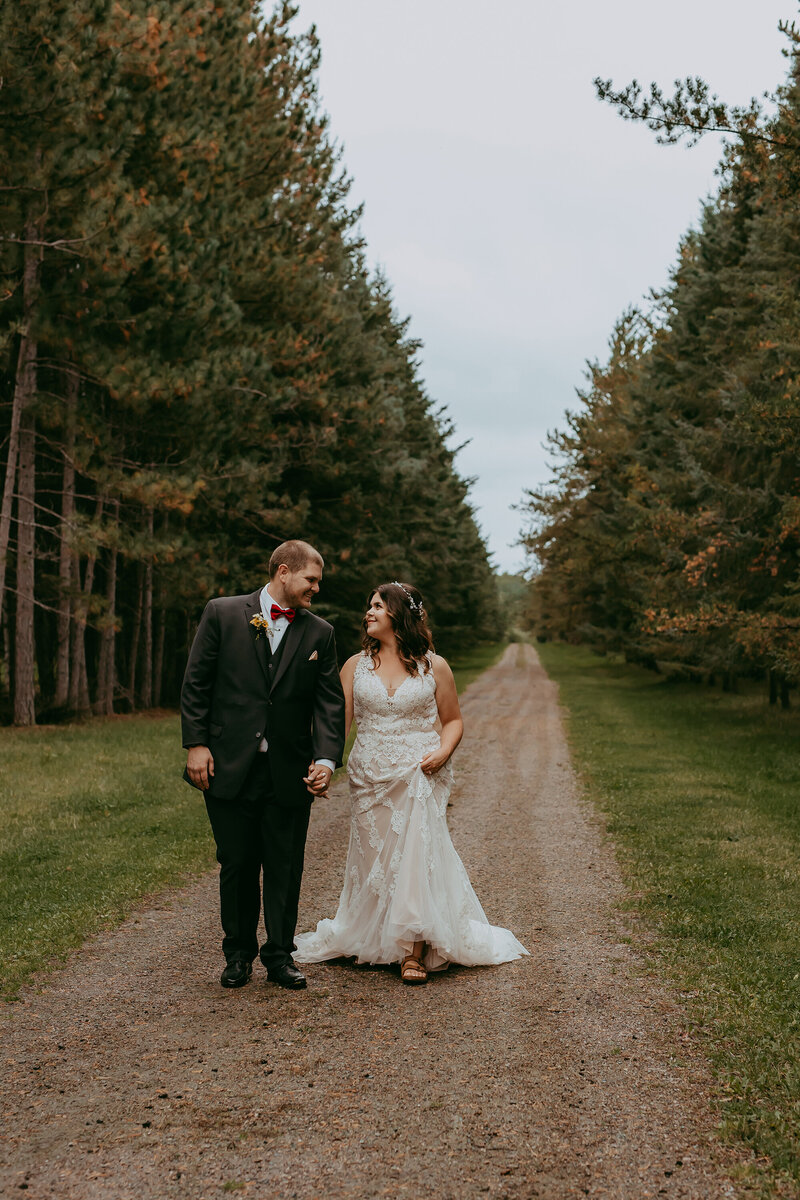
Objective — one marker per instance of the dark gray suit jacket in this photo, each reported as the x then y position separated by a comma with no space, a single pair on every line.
234,694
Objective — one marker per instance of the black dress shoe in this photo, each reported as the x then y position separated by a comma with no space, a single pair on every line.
236,974
287,975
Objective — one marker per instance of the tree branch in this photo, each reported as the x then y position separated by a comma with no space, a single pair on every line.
689,113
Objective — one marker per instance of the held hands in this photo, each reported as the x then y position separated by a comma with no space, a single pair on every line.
317,779
200,769
200,766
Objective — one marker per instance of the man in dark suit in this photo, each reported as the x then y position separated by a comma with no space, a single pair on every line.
262,715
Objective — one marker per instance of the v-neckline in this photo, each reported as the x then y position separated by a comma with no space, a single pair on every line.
390,695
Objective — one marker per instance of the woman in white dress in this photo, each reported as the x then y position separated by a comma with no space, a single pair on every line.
406,896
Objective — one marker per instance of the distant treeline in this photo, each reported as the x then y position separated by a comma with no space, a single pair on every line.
195,363
671,528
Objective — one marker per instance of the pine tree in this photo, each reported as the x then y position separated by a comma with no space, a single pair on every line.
703,523
195,363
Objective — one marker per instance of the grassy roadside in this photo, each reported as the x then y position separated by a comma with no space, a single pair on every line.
94,817
472,663
701,793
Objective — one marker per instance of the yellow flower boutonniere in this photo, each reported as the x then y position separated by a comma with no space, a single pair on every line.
260,624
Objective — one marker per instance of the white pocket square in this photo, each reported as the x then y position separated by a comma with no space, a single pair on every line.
313,656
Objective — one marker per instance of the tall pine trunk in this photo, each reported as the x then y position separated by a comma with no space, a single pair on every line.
135,635
65,554
24,647
80,701
5,634
106,674
24,390
158,665
147,684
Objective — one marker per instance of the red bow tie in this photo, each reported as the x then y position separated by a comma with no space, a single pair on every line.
276,611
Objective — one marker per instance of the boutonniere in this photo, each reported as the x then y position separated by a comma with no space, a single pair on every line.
260,624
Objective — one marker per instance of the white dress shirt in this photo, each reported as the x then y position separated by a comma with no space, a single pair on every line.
275,631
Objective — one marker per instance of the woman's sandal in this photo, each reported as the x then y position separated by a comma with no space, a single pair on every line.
412,963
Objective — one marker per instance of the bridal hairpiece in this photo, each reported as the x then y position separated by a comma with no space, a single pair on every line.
416,606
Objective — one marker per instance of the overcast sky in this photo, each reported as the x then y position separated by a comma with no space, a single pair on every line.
515,215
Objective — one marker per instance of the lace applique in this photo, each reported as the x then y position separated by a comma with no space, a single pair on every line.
398,820
374,836
394,864
394,735
404,879
377,879
413,703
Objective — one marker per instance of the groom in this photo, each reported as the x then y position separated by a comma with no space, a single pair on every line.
262,715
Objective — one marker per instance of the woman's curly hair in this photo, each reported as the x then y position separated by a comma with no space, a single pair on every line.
409,622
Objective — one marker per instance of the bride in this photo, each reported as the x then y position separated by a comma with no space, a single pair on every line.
406,896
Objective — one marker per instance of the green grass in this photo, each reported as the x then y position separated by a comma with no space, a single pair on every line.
468,666
702,795
94,816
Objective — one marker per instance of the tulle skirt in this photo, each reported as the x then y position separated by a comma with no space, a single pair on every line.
404,880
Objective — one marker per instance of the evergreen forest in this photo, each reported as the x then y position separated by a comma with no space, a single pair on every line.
195,361
670,529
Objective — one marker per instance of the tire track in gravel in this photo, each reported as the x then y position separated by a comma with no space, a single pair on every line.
134,1075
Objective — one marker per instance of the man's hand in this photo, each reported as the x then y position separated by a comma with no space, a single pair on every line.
200,766
317,779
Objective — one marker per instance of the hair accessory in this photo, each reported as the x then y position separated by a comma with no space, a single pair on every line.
413,604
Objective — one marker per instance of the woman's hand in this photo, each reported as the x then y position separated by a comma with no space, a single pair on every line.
449,715
317,779
434,761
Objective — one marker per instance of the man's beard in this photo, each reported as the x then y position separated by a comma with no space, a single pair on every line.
299,600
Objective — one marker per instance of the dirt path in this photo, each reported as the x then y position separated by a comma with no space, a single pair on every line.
134,1075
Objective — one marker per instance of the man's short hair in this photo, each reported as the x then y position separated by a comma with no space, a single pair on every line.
295,555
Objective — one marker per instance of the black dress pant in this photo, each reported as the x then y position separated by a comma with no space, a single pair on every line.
260,850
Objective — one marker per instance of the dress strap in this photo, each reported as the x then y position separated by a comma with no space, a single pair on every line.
365,663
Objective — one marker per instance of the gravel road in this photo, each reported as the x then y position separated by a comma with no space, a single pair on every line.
131,1075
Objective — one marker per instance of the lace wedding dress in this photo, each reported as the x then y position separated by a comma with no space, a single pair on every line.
404,881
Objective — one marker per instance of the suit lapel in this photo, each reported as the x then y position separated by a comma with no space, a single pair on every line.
260,641
290,643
